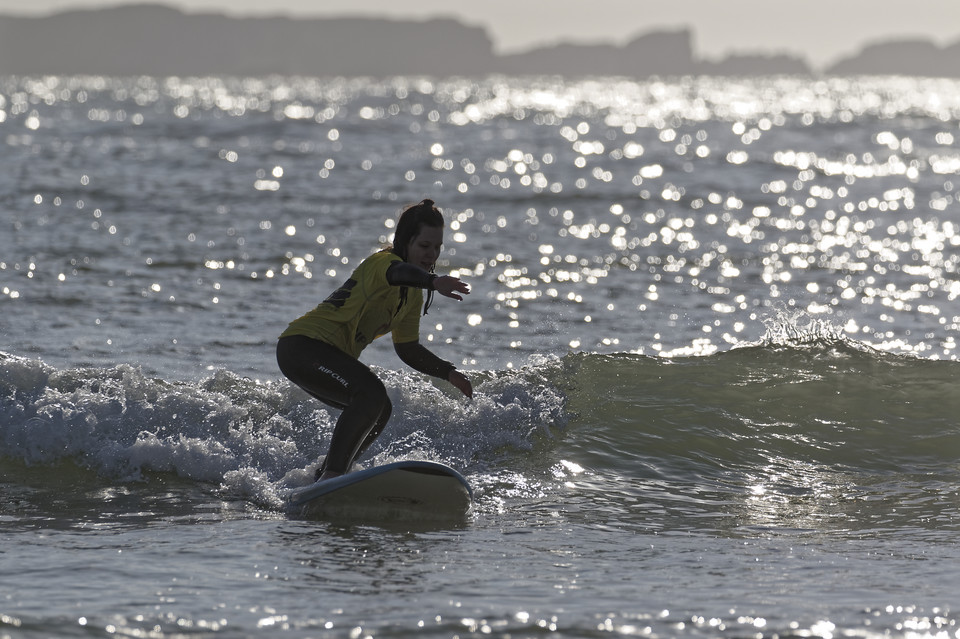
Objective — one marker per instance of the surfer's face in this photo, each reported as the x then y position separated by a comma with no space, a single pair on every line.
424,248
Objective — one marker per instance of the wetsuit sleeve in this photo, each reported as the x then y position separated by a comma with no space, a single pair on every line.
405,274
416,356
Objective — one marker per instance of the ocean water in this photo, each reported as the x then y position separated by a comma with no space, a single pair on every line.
712,331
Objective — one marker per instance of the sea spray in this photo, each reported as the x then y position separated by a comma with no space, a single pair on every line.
243,432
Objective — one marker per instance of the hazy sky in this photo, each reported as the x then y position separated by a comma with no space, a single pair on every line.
821,30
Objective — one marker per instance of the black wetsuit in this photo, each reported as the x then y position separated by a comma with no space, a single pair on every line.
382,295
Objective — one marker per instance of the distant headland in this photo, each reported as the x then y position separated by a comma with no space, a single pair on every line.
159,40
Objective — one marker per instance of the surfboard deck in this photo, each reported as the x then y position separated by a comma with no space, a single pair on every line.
401,490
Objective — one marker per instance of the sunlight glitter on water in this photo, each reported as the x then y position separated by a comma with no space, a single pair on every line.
828,196
843,237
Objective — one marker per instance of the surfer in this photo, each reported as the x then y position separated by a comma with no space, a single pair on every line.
319,352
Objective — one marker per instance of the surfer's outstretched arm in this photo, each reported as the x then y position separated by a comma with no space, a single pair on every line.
418,357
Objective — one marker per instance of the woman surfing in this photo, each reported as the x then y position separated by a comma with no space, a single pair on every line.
319,351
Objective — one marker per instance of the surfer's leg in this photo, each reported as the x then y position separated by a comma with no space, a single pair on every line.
337,379
325,471
304,361
360,422
376,430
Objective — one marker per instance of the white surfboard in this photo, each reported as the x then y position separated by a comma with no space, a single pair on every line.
404,489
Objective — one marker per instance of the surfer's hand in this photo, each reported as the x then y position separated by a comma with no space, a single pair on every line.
460,381
450,286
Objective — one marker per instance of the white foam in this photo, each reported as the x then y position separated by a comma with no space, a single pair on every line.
252,439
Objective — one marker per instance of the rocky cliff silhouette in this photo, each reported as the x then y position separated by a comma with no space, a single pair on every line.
159,40
662,54
904,57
